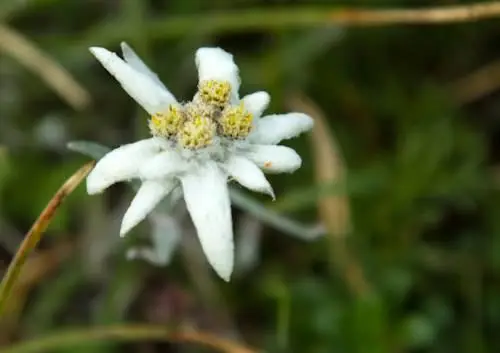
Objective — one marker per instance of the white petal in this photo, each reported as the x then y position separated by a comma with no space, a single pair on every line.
272,129
143,89
165,164
149,195
248,174
121,164
137,64
207,200
274,159
256,103
217,64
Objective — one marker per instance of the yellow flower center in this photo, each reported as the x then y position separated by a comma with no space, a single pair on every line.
235,122
196,124
197,132
215,92
167,124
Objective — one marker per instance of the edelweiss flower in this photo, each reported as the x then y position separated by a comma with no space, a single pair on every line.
197,146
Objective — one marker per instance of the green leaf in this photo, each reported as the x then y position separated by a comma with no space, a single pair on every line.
274,219
91,149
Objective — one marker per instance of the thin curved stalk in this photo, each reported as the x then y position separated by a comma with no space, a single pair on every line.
35,233
123,333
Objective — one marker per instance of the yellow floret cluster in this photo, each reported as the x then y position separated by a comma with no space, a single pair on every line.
197,133
235,122
167,124
215,92
196,124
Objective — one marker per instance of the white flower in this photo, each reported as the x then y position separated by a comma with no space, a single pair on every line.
197,146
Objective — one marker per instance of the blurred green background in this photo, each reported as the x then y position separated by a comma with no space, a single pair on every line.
402,170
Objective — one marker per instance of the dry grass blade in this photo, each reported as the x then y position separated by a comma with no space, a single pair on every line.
35,233
334,210
329,168
51,72
431,15
477,84
289,17
125,333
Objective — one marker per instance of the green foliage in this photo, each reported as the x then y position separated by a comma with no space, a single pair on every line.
422,178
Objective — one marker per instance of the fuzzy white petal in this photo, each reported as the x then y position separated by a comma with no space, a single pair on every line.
143,89
121,164
272,129
256,103
207,200
165,164
217,64
149,195
274,159
248,174
137,64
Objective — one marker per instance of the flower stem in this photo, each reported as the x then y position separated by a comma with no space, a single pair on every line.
35,233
